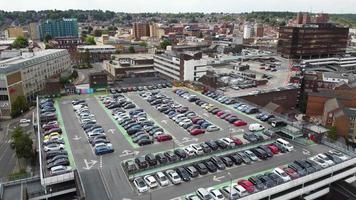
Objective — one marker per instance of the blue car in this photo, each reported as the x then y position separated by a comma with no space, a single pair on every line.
103,148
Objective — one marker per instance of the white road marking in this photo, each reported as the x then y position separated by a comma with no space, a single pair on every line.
90,164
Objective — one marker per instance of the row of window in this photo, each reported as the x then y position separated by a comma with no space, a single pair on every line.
4,98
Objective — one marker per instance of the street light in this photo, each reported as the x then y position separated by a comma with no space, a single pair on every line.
230,188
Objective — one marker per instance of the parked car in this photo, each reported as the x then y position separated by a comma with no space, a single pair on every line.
140,185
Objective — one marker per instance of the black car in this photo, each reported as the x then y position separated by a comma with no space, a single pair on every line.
193,172
61,161
201,167
260,153
180,153
235,158
266,149
257,183
301,171
251,137
162,159
221,144
211,166
171,156
227,161
183,174
56,158
150,158
333,157
130,165
141,162
244,158
218,162
309,169
212,144
145,141
205,148
51,154
267,181
278,180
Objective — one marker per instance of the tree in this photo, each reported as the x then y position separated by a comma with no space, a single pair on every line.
98,32
86,58
332,134
131,49
165,43
22,144
89,40
47,38
19,106
20,42
143,44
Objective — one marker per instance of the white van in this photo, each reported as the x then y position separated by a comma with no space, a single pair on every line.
285,143
256,127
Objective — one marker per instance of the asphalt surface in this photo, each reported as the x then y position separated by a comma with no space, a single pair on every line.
103,176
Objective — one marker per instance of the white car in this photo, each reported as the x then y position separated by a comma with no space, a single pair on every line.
339,154
140,185
103,144
281,173
319,161
174,177
53,147
212,128
59,170
190,151
216,194
25,121
228,141
197,149
181,123
162,179
256,127
150,181
325,158
240,190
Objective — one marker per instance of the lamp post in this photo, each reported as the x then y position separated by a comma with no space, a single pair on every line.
230,188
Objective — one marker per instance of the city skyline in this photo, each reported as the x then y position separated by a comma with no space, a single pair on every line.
206,6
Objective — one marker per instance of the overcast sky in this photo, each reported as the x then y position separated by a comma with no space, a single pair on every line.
327,6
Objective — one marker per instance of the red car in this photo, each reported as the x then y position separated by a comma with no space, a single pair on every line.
240,123
293,174
220,113
247,185
273,148
197,131
194,120
165,137
237,141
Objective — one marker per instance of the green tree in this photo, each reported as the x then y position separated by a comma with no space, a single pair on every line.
19,106
89,40
165,43
20,42
143,44
98,32
22,144
332,134
131,49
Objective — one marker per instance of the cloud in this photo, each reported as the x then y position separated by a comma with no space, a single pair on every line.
327,6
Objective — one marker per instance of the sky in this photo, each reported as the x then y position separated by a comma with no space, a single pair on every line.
231,6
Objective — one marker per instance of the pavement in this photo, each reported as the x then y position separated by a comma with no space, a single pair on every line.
103,176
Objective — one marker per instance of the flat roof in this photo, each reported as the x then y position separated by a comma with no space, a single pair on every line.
140,56
27,59
96,47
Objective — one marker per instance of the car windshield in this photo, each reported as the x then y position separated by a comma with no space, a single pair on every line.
141,183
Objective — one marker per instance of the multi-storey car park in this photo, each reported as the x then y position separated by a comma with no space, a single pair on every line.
116,175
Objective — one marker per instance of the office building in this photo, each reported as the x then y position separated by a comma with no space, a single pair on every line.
156,31
125,65
259,31
14,32
181,66
59,28
96,52
140,29
68,43
312,40
26,75
248,31
34,29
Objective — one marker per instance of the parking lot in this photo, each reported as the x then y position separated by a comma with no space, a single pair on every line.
106,171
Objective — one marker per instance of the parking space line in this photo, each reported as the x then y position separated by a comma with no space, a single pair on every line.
64,135
120,128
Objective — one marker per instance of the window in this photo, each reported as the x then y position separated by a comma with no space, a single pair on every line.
3,89
4,98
